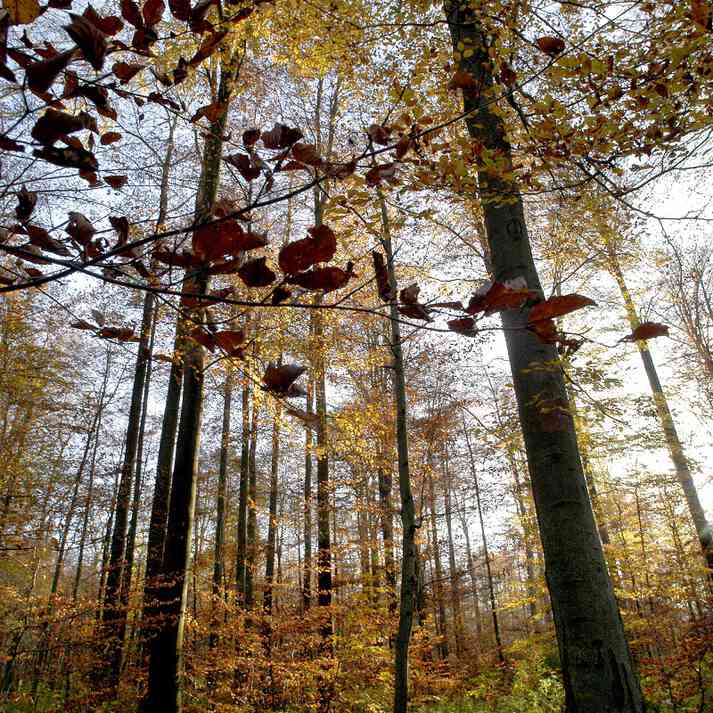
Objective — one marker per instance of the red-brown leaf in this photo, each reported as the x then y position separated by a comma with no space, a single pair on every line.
307,154
255,273
386,294
131,13
382,172
208,46
89,38
279,295
26,201
41,75
116,182
225,238
125,71
558,306
203,338
229,341
302,254
247,169
379,134
551,46
463,325
326,279
647,330
496,297
109,137
250,137
110,25
280,137
53,125
153,12
279,379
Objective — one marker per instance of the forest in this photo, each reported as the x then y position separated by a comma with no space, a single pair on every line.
356,356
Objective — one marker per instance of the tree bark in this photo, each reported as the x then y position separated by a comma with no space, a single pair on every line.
272,526
598,670
409,591
307,578
486,551
164,693
241,559
218,565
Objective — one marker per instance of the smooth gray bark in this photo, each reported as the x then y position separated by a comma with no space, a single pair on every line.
598,671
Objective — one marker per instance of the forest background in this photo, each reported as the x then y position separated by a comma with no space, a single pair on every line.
208,491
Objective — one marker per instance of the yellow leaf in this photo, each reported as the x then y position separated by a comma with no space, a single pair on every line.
22,12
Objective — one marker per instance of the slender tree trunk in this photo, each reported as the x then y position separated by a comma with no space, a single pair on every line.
165,688
473,583
273,524
218,566
138,477
683,471
90,484
241,559
251,532
409,593
307,579
598,670
441,621
115,612
453,573
486,551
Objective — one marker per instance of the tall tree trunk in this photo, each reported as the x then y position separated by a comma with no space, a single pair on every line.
409,592
441,620
218,565
486,551
90,484
164,693
273,523
164,464
251,531
452,566
473,582
138,479
680,463
598,670
241,559
114,613
307,578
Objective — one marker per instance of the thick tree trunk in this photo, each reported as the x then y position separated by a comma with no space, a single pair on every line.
680,463
164,694
409,593
598,670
